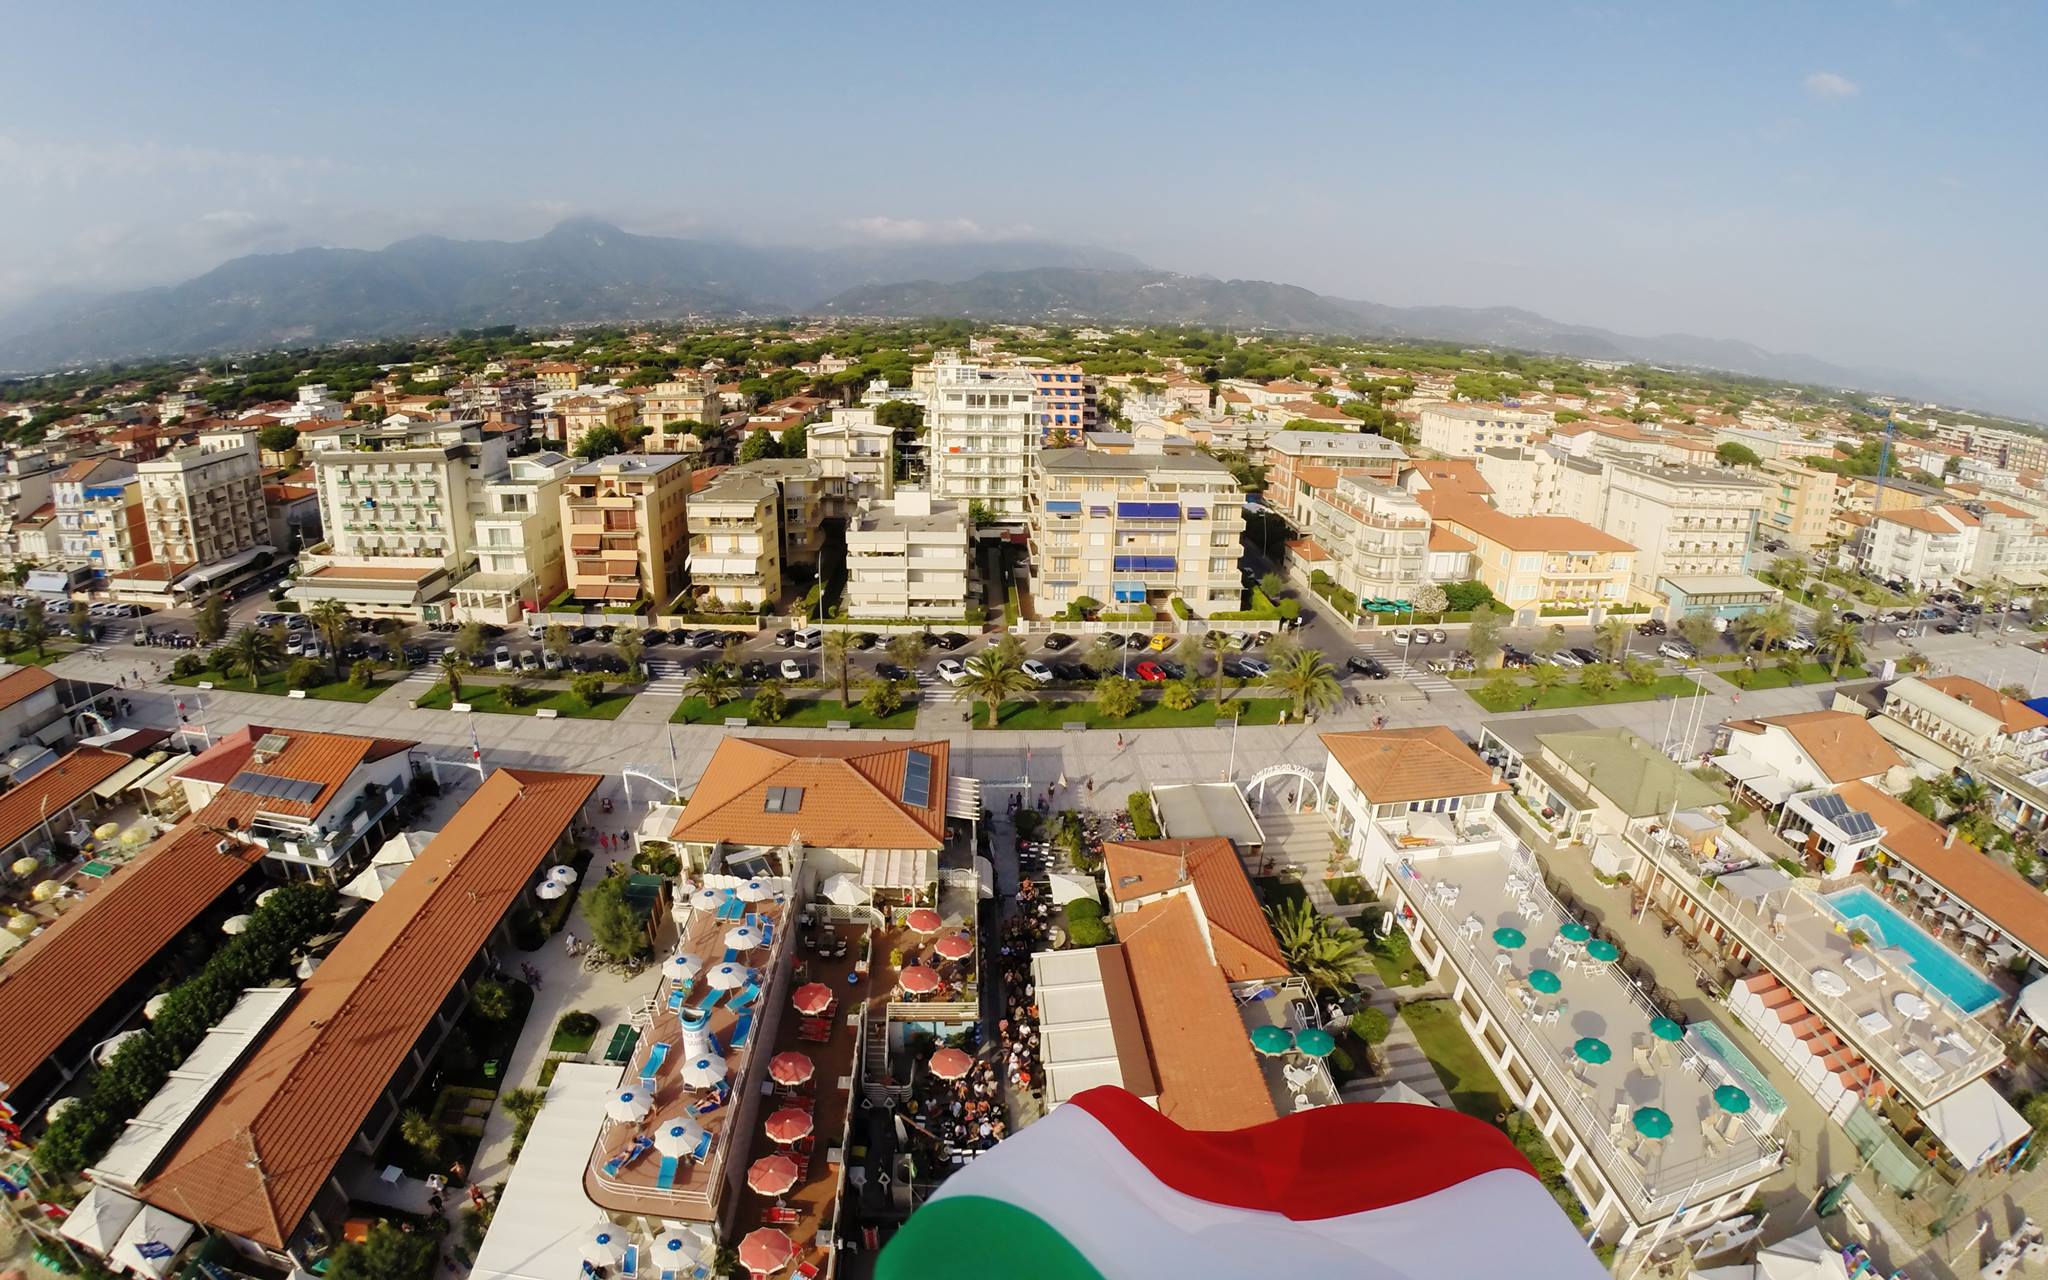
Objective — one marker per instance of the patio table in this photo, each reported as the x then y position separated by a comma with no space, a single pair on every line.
624,1037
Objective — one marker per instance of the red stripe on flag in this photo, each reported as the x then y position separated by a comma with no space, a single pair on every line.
1324,1163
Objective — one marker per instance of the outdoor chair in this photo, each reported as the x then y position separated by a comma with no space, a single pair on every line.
703,1146
655,1058
667,1179
781,1215
743,1029
629,1266
746,996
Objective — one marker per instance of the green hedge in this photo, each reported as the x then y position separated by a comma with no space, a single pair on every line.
1143,823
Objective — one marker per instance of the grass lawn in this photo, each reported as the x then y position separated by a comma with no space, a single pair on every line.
1772,676
1149,715
804,713
27,657
1569,694
1395,962
274,684
566,1041
486,697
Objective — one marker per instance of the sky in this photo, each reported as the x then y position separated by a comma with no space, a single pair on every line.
1863,182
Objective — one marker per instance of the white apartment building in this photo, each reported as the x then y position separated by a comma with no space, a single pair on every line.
1524,480
2012,545
1689,522
736,539
518,543
856,451
1926,547
1371,538
203,504
1463,430
314,404
907,558
1768,444
983,435
98,515
1129,530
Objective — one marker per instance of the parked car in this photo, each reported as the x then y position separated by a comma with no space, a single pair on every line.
1173,670
864,640
1262,639
551,661
791,669
529,661
1563,658
1160,643
1678,650
1513,657
753,671
785,638
890,671
582,635
1037,671
1138,640
1586,656
1650,627
1150,672
501,658
1799,643
1057,641
1402,635
950,640
1069,671
1947,628
1255,667
951,671
653,636
1368,667
810,638
1442,636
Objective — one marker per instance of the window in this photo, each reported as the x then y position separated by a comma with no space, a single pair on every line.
783,800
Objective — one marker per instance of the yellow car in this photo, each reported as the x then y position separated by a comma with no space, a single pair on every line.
1160,642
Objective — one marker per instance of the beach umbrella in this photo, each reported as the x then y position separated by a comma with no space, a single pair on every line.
1269,1039
551,890
49,889
1603,951
604,1245
1509,938
950,1064
1831,1199
791,1068
1314,1041
788,1125
678,1136
630,1105
924,920
1667,1029
674,1247
811,999
24,866
1545,981
954,946
137,834
306,965
564,874
1731,1099
1573,931
728,977
234,925
59,1107
845,890
1592,1049
708,899
744,938
106,831
1652,1122
773,1175
704,1072
681,967
755,891
766,1250
155,1005
267,895
108,1048
918,980
21,925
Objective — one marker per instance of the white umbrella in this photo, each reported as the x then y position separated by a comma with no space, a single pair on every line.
110,1047
1909,1004
604,1245
552,889
755,891
630,1105
306,965
702,1073
59,1107
234,925
564,873
678,1137
267,895
744,938
674,1247
845,890
728,977
707,899
681,967
155,1005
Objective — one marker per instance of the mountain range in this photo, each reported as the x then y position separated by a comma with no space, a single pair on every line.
585,271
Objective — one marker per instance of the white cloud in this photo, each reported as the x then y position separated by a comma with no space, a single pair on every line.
913,230
1830,87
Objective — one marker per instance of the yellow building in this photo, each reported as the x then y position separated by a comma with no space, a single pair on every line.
1530,561
626,522
1799,503
559,375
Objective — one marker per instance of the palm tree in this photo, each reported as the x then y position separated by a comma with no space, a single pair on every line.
1841,643
253,651
837,653
1611,638
1216,644
555,639
1638,672
1768,628
1966,794
330,619
1598,680
35,626
453,667
1306,680
1325,951
713,683
1788,572
1546,676
1923,797
1502,689
994,679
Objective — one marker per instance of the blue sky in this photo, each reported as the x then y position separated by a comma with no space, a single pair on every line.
1862,182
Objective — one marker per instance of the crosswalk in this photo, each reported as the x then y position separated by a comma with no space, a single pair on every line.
931,688
1414,672
666,677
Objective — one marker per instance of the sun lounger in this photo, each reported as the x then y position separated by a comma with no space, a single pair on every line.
627,1158
667,1180
676,996
746,997
655,1058
781,1215
629,1266
742,1029
707,1003
767,933
732,908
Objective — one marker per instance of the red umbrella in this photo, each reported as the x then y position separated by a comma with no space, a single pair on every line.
918,980
954,946
773,1175
951,1064
789,1125
766,1250
812,998
925,920
790,1068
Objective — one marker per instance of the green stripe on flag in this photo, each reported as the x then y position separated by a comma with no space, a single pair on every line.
974,1236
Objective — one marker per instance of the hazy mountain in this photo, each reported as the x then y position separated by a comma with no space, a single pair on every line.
582,271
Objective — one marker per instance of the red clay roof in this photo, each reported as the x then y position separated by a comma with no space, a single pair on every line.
1842,744
1200,1050
1393,766
1238,933
2012,714
1517,533
261,1153
325,758
53,790
1994,890
1461,474
23,682
852,795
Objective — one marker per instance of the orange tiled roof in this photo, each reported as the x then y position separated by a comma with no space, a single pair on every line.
54,790
1442,539
1200,1050
1994,890
1842,744
20,683
1451,473
852,795
1517,533
258,1157
1393,766
1238,933
1926,521
2012,714
328,759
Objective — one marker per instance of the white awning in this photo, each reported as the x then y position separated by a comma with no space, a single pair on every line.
100,1218
207,573
1758,777
544,1212
160,775
150,1242
124,777
916,869
2034,1002
1915,743
1975,1124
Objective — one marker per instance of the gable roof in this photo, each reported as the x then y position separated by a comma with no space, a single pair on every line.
1842,745
324,759
22,682
1392,766
1635,777
1450,473
1201,1053
1994,890
1947,518
256,1160
24,806
1517,533
1242,941
2012,715
852,795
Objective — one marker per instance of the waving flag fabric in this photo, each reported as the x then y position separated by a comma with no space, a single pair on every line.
1106,1188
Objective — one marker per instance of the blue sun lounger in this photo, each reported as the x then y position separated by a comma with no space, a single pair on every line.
743,1029
627,1158
655,1058
667,1180
629,1266
745,997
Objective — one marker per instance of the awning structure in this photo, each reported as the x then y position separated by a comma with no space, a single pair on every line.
127,776
916,869
202,576
1760,778
99,1219
150,1242
161,777
1915,743
2033,1002
1975,1124
544,1212
1090,1033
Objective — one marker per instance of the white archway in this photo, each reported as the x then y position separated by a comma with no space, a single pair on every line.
1307,785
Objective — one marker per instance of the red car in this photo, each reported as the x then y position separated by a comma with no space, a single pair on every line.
1150,672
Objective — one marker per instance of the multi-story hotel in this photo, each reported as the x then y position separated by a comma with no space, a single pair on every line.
736,539
856,451
670,409
1799,503
1684,522
1463,430
1927,547
1529,561
203,503
907,558
1303,463
1371,538
1135,529
626,522
518,542
99,516
982,435
1064,401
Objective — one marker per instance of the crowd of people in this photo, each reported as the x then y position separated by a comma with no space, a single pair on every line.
1017,1032
961,1115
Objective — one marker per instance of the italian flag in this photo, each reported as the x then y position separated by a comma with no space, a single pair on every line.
1106,1188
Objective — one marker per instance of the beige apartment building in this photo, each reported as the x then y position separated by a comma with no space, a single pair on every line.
1530,561
907,558
518,543
1684,522
203,503
582,415
1767,444
1135,529
736,539
1371,538
1463,430
626,521
855,450
1300,464
982,435
669,409
806,499
1799,503
1064,400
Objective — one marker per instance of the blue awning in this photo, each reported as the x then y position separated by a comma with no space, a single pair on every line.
1129,591
1145,564
1063,508
1198,513
1148,510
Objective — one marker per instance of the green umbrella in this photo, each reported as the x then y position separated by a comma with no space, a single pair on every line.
1653,1122
1592,1049
1731,1099
1667,1029
1269,1039
1509,938
1545,981
1314,1041
1831,1199
1573,931
1603,951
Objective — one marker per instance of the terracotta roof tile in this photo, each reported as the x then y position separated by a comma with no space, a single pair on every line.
1393,766
1200,1050
852,795
1517,533
2012,714
1994,890
22,682
1238,933
54,790
1842,744
328,759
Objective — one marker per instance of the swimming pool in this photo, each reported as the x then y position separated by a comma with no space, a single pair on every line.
1936,965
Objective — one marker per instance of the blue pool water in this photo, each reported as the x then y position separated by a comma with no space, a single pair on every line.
1936,965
